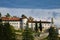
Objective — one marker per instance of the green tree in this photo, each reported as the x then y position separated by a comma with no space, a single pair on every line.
7,15
1,31
53,35
6,32
0,20
36,27
23,16
27,34
0,15
40,27
30,18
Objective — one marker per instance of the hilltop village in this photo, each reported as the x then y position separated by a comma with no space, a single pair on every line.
20,25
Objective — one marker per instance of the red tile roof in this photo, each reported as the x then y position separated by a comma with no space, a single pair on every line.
10,18
19,19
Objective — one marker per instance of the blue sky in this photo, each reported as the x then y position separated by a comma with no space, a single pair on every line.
44,4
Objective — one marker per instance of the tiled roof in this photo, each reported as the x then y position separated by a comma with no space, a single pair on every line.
10,18
19,19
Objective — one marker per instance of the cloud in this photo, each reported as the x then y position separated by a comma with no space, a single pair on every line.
43,14
30,12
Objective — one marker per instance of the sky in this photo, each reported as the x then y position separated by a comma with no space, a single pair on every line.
38,9
44,4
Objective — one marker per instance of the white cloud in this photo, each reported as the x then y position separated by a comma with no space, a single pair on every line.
43,14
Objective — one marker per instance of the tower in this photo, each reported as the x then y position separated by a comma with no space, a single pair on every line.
52,22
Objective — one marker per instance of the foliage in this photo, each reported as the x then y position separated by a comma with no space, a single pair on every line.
27,34
23,16
30,18
1,32
0,20
0,15
6,32
18,30
40,27
53,35
36,27
7,15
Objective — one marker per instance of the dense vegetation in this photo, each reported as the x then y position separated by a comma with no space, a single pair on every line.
53,35
27,34
6,31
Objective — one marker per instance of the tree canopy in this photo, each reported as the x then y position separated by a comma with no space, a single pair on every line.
24,16
0,14
36,27
53,35
6,32
40,26
7,15
27,34
31,18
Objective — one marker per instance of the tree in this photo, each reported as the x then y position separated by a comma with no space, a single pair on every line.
0,20
36,27
30,18
7,32
7,15
27,34
53,35
40,27
1,31
0,15
23,16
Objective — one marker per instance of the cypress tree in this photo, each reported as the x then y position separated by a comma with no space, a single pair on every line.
23,16
53,35
40,27
27,34
0,14
7,15
1,32
36,27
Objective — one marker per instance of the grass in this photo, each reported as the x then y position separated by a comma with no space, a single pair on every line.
18,31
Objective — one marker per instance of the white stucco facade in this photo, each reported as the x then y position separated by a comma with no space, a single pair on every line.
18,24
21,23
15,24
31,25
24,21
46,25
59,31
